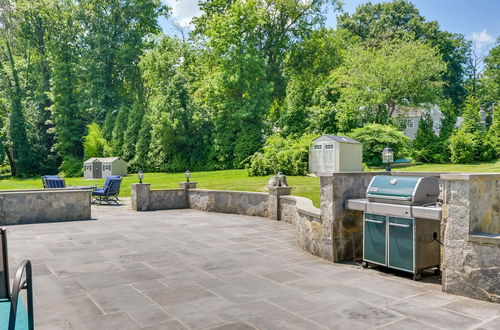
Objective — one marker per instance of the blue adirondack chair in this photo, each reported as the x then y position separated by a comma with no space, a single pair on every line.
13,315
109,192
53,181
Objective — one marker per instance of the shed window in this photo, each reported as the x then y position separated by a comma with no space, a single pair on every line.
411,123
317,146
106,167
329,146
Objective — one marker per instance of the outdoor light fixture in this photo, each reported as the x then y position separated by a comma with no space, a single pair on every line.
140,175
188,175
279,177
387,158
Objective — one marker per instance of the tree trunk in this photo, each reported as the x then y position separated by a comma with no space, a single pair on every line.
12,164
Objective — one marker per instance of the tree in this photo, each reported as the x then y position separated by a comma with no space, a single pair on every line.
490,80
115,38
308,66
236,88
374,81
94,144
280,25
466,142
17,147
69,122
35,29
169,73
427,146
398,20
376,137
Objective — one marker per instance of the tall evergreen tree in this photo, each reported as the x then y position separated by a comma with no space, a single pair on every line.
69,122
17,148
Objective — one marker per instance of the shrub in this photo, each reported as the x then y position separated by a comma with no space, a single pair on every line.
72,167
288,155
463,147
375,137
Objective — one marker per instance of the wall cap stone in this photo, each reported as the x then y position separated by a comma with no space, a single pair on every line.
168,189
470,176
330,174
484,238
44,191
230,191
304,206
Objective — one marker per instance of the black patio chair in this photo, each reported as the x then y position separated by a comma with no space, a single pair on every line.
53,181
13,315
44,177
109,192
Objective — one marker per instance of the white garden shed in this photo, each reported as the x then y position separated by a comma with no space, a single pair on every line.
332,153
99,168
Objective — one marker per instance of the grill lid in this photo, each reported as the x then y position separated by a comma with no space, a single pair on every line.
403,189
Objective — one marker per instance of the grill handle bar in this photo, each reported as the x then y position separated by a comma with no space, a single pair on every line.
398,225
400,198
374,221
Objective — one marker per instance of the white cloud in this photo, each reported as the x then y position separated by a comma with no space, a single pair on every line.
482,39
183,11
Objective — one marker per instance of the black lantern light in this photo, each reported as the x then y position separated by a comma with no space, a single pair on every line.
187,174
387,158
140,176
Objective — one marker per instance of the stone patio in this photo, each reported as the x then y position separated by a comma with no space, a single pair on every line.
186,269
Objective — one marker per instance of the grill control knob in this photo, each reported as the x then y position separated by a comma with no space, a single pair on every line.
394,181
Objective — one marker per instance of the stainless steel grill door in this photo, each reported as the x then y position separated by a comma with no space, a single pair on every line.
374,247
401,244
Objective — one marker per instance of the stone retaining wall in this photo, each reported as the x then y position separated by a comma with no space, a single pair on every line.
234,202
301,212
44,205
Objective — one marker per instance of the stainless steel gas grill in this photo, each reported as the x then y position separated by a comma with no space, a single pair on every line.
401,223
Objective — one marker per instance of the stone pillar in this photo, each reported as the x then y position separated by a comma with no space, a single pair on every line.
274,200
470,232
186,186
140,196
342,232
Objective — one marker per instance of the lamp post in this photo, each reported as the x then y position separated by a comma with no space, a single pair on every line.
140,176
187,174
279,177
387,158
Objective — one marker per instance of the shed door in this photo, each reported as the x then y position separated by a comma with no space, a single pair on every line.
329,157
317,158
97,170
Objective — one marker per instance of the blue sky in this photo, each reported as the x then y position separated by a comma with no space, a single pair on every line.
478,20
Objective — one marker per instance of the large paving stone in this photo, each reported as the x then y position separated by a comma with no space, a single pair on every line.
183,269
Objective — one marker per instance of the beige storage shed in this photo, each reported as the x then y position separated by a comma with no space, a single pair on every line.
99,168
332,153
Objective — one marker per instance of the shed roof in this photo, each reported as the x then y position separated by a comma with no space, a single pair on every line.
340,139
102,160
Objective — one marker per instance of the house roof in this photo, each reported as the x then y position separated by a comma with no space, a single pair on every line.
102,160
341,139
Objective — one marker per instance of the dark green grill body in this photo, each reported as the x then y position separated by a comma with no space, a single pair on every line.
392,186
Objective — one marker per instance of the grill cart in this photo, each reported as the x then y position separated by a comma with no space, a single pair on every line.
401,223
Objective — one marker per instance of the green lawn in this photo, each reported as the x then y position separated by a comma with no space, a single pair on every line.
239,180
485,167
219,180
